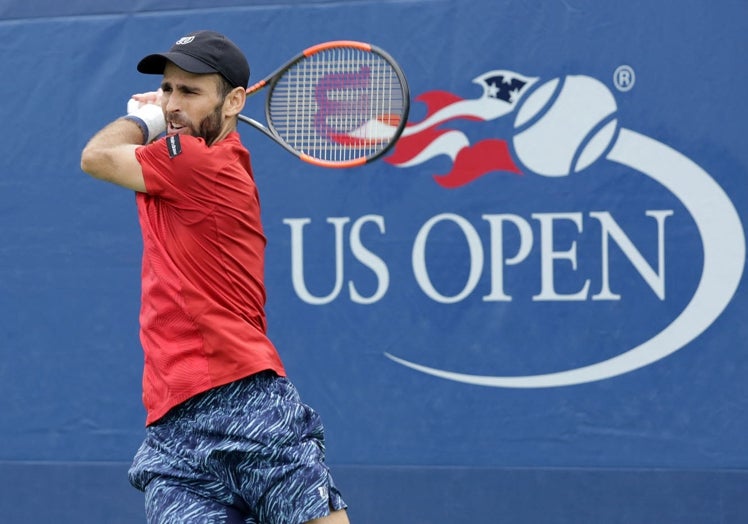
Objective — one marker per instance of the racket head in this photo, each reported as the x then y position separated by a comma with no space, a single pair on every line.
338,104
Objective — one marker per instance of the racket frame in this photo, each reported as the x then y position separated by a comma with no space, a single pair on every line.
271,80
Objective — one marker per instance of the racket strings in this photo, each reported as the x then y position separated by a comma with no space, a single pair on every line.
338,104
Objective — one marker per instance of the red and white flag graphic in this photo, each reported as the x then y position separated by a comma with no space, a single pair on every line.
427,139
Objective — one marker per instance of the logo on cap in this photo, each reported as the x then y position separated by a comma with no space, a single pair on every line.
184,40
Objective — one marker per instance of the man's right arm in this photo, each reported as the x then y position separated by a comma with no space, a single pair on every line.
110,155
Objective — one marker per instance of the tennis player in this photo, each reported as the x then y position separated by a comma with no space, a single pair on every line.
227,438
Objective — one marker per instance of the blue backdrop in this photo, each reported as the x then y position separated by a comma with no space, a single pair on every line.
533,310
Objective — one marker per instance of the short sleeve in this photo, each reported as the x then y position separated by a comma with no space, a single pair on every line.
178,168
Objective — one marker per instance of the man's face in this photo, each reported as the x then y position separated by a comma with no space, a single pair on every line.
192,104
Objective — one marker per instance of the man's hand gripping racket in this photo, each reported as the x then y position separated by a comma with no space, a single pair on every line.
337,104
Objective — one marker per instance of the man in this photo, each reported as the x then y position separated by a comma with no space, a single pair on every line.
227,438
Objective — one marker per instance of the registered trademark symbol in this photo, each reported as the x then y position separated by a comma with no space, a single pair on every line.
624,78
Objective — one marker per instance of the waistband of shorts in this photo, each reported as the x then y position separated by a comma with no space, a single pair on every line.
221,395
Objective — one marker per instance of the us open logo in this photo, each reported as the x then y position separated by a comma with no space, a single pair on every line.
561,127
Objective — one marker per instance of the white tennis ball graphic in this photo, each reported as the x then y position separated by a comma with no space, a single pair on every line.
565,134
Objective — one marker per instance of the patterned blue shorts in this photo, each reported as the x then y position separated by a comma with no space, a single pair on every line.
249,452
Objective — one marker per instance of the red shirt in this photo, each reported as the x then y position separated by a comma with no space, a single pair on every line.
202,318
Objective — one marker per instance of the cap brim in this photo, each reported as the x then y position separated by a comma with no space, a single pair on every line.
156,63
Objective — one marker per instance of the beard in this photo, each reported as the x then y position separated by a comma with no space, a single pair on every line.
209,128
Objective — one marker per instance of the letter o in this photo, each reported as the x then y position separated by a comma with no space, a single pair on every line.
420,269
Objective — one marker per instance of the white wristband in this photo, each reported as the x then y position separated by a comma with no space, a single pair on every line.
150,118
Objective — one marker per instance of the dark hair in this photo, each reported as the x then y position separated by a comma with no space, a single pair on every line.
224,87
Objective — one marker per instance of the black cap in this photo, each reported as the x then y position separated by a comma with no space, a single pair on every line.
202,52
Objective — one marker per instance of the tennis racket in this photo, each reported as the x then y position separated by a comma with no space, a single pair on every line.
336,104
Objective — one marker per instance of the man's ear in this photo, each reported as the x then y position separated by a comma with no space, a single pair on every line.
234,102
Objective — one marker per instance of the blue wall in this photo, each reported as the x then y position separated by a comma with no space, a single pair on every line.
558,336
